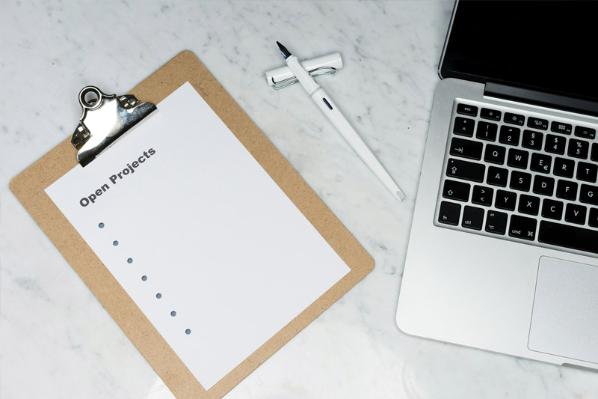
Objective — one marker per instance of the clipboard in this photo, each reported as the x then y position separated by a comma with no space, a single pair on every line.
29,187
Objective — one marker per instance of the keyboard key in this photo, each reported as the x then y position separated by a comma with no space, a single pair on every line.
463,126
594,155
588,194
552,209
491,114
563,167
593,219
466,109
494,154
541,163
509,135
566,189
578,148
449,213
523,227
521,181
528,204
555,144
543,185
496,222
465,170
505,200
568,236
497,176
559,127
482,195
455,190
472,218
466,148
585,132
514,119
575,214
537,123
532,140
586,172
486,131
517,158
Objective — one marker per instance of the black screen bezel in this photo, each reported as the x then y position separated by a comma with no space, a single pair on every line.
445,72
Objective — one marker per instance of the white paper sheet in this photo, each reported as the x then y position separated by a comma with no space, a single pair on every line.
217,239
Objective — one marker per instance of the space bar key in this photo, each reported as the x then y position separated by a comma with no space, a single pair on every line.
568,236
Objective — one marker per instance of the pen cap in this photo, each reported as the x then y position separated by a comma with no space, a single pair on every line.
282,77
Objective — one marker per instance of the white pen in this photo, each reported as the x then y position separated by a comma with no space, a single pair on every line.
334,115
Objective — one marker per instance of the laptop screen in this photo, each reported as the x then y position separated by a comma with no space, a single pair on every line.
540,45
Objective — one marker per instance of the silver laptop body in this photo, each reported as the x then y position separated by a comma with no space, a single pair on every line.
515,276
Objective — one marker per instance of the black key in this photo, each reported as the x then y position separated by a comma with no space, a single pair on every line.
555,144
568,236
496,222
566,189
509,135
466,148
575,214
559,127
586,172
449,213
455,190
537,123
522,227
467,109
532,140
578,148
472,218
588,194
552,209
482,195
465,170
520,181
541,163
529,204
486,131
497,176
505,200
517,158
594,155
543,185
585,132
491,114
514,119
494,154
463,126
593,219
563,167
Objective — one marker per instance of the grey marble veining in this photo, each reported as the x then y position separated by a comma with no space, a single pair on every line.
56,341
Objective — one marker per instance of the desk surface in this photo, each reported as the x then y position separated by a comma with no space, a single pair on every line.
57,341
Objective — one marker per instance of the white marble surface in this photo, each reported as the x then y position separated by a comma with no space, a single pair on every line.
56,341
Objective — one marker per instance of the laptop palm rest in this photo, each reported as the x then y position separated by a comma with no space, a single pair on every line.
565,313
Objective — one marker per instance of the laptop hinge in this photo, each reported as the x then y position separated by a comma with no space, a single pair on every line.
540,98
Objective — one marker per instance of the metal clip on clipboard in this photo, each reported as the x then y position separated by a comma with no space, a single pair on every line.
105,118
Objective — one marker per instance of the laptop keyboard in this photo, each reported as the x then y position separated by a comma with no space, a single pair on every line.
521,176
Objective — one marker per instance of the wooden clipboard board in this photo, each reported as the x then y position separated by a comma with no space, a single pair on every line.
29,188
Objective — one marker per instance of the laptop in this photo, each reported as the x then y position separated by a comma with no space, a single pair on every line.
503,251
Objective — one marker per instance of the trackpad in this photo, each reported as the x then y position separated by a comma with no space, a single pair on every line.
565,314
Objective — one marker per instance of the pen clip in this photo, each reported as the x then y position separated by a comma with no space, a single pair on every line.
292,80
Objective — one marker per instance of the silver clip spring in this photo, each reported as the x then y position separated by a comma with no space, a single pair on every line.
104,119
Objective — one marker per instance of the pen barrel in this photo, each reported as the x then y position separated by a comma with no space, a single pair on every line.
308,83
335,116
